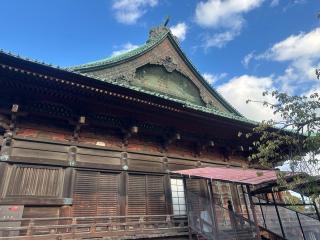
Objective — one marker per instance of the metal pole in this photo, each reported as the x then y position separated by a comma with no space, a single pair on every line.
264,220
278,214
238,195
304,237
317,210
187,207
254,214
302,198
245,201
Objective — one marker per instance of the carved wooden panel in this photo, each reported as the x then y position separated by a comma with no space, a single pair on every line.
174,84
165,55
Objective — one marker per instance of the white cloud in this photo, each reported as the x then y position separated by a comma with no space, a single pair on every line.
293,3
180,30
219,40
129,11
227,13
124,48
303,45
223,14
239,89
212,78
247,59
274,3
302,54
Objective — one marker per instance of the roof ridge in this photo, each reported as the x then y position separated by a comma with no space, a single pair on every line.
151,42
16,55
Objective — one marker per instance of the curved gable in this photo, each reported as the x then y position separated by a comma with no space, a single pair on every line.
163,50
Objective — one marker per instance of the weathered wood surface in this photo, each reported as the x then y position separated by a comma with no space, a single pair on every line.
131,227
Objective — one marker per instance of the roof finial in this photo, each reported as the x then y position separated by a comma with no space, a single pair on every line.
166,21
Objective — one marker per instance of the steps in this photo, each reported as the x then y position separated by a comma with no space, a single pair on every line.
199,237
240,234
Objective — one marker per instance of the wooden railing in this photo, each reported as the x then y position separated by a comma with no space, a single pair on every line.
142,226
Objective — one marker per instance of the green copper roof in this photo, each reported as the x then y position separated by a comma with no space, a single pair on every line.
152,42
160,34
185,104
124,56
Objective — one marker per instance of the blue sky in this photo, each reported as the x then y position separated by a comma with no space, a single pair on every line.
241,46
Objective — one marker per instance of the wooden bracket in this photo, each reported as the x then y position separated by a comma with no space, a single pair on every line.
198,149
76,131
169,138
14,111
226,152
10,128
127,133
200,146
4,122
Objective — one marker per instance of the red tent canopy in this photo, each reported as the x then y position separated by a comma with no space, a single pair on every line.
236,175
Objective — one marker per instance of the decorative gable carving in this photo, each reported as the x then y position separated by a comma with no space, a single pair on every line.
168,62
166,55
167,81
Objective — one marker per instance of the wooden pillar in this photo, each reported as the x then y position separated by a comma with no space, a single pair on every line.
245,202
168,194
187,206
235,198
254,214
213,209
68,183
123,193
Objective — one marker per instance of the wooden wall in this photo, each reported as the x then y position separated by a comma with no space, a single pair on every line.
52,174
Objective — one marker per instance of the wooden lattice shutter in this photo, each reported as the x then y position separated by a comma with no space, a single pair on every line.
156,203
95,194
137,201
85,194
27,181
108,197
146,195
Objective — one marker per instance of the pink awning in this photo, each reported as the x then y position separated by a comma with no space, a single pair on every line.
236,175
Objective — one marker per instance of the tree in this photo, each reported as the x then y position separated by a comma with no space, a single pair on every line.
294,201
293,139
